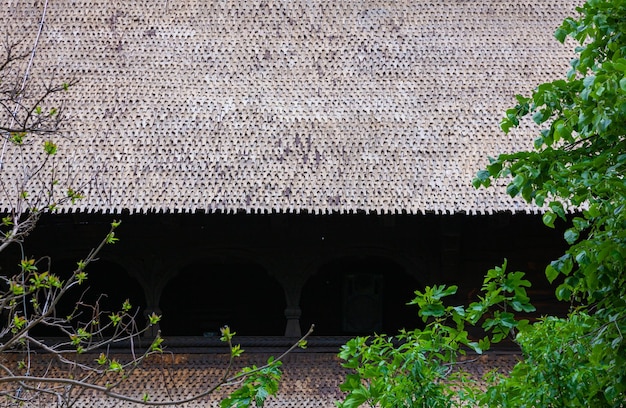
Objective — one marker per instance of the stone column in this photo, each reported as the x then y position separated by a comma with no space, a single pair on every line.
292,283
292,314
153,273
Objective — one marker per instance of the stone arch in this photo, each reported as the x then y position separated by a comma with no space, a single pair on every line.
244,254
414,265
222,288
359,292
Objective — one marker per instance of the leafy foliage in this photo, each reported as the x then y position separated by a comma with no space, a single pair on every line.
420,368
578,167
563,366
255,388
254,384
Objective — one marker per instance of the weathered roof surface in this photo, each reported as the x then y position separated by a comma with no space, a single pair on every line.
317,105
309,379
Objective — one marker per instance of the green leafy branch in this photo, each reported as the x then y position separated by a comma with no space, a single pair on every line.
421,367
577,174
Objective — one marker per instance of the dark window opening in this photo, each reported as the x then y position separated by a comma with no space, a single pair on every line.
359,295
208,295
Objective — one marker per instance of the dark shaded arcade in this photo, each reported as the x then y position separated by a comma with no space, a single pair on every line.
274,275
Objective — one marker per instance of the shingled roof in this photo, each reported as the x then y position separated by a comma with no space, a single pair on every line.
286,106
309,379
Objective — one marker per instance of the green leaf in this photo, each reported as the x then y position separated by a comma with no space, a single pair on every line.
557,208
494,168
512,190
49,147
115,319
475,346
115,366
549,218
261,396
560,34
483,175
110,238
563,292
126,306
540,199
227,335
539,117
102,359
432,310
561,131
157,344
570,235
476,182
589,81
236,351
582,258
154,319
355,399
551,273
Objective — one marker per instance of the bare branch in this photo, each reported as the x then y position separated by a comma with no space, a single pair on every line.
109,392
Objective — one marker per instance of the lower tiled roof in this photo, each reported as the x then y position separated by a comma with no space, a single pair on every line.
309,379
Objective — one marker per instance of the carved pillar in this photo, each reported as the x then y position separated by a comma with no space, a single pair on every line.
153,273
292,314
292,283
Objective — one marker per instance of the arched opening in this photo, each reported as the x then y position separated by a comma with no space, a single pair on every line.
209,294
104,291
359,295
